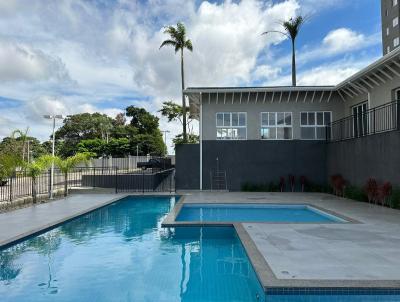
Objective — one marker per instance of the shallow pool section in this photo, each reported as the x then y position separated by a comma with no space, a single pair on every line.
121,253
273,213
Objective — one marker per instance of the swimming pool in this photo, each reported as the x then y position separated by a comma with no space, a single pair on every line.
255,213
121,253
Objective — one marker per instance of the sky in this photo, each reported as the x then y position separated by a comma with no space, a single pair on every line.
73,56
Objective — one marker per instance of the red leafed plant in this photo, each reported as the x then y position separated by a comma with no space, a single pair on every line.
384,193
371,189
338,184
282,183
292,181
303,181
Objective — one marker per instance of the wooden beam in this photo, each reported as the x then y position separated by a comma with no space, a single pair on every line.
305,97
290,93
386,74
297,96
379,77
322,95
225,98
248,98
346,92
358,88
256,97
233,97
313,96
393,70
373,81
273,96
240,100
329,97
216,102
341,95
280,98
209,98
364,81
265,96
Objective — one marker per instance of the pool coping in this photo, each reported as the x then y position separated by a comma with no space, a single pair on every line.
270,283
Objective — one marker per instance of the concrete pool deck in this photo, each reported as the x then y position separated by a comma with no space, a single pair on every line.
363,253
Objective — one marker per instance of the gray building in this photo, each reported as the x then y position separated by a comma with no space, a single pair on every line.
390,12
258,134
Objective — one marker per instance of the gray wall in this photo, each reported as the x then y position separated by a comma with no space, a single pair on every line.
253,110
187,165
376,156
387,21
264,161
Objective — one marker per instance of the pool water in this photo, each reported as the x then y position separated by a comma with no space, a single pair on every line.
254,213
121,253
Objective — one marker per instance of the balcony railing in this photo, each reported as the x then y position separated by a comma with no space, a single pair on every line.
375,120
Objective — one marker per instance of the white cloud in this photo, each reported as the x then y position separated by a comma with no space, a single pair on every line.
343,39
19,62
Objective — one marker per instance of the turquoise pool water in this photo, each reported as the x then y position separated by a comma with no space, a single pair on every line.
255,213
121,253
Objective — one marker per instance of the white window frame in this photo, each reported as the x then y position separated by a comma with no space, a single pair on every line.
395,21
396,42
315,125
276,125
387,31
394,2
230,126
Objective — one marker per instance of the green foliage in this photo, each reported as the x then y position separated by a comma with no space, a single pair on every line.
267,187
355,193
8,164
394,200
191,139
143,121
38,166
66,165
95,146
177,38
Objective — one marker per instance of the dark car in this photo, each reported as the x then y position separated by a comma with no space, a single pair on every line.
153,163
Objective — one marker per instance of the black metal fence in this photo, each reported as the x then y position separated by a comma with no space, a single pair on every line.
375,120
119,180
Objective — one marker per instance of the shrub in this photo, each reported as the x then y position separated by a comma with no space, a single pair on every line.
394,199
371,189
355,193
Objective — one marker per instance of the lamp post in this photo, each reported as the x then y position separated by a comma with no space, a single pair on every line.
165,137
53,117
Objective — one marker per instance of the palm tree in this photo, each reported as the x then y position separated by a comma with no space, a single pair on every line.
23,135
66,165
179,42
35,168
291,29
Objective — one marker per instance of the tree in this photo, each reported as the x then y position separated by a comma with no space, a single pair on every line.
35,168
291,29
23,135
66,165
8,164
179,42
192,139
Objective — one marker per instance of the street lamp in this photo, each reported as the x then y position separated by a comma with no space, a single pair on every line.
165,136
53,117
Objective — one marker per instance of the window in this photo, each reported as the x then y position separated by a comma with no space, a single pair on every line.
313,124
231,125
276,125
388,49
394,2
396,42
387,31
395,21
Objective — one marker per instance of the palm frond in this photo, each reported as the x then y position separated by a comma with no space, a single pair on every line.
188,45
168,43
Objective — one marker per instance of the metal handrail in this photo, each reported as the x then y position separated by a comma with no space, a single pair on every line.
379,119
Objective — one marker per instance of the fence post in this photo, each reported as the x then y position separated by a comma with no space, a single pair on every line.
398,114
11,185
143,181
374,125
116,180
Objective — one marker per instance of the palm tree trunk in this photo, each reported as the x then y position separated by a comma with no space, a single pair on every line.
183,99
66,184
293,63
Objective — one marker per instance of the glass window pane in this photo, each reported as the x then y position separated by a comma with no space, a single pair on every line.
303,118
311,118
307,132
281,118
227,119
280,133
288,119
241,133
264,119
220,118
320,118
271,119
287,133
224,133
219,133
242,119
235,119
321,133
327,117
233,133
268,133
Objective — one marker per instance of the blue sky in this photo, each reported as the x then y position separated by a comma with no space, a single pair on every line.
71,56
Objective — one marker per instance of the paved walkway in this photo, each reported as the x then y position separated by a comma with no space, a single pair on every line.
23,222
363,253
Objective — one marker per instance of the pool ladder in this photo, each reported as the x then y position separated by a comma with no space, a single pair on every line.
218,180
